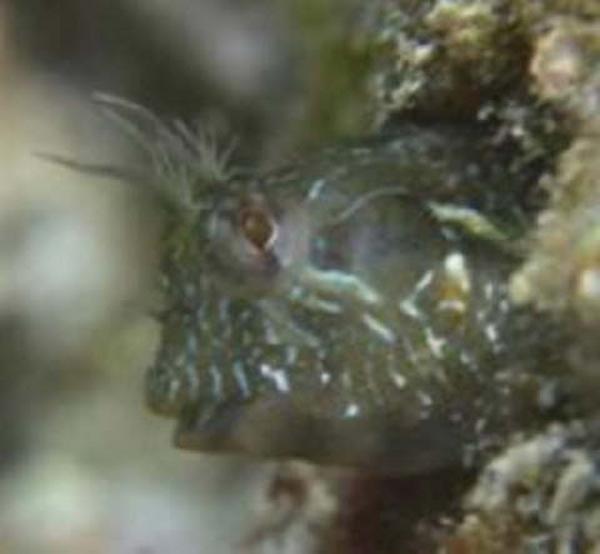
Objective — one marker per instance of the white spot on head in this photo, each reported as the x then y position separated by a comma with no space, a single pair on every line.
409,308
217,381
426,400
436,344
272,337
240,376
457,306
316,189
456,270
424,282
491,333
408,305
352,410
399,380
520,288
588,285
325,377
291,355
277,376
377,327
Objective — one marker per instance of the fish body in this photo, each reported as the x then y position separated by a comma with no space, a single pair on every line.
350,310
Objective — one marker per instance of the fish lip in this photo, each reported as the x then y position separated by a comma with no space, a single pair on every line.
275,428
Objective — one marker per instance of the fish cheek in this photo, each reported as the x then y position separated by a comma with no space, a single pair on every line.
169,380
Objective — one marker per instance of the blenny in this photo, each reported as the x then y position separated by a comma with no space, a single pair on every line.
348,310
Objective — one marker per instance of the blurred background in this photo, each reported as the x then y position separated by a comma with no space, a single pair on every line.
84,468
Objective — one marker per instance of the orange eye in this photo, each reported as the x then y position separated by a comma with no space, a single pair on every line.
258,227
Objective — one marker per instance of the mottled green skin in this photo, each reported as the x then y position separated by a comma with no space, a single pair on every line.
376,335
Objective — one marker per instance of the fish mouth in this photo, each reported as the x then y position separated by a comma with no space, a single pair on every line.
277,428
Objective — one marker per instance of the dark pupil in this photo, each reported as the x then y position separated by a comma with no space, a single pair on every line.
257,227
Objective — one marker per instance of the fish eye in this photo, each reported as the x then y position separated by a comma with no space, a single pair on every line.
258,227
